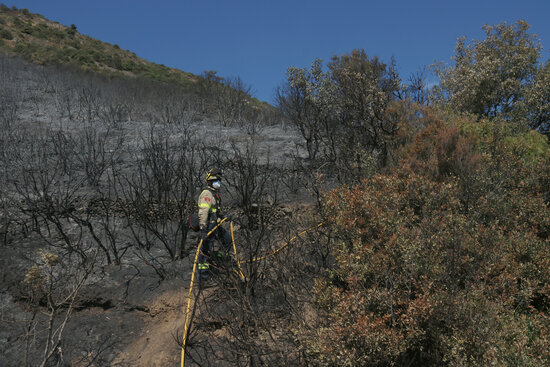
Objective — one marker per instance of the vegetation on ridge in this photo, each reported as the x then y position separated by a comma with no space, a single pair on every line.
49,43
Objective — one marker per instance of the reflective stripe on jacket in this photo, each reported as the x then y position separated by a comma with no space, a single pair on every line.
209,206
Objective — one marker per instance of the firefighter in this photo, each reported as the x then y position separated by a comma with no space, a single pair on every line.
209,216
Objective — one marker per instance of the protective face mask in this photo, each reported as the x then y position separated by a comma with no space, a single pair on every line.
216,184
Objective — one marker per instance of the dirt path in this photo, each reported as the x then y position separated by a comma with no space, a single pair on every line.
158,346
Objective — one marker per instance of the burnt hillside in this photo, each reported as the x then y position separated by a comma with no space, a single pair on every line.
375,223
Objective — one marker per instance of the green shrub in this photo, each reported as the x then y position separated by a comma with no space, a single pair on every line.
40,31
129,65
72,30
27,28
57,33
445,259
115,62
97,56
45,32
5,34
98,45
26,49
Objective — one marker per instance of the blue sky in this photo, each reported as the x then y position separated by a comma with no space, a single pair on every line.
259,39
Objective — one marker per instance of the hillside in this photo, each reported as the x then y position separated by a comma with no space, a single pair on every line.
370,228
42,41
115,139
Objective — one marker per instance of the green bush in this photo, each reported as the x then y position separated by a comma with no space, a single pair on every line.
5,34
79,56
129,65
51,33
74,43
48,55
97,56
97,44
444,260
40,31
27,28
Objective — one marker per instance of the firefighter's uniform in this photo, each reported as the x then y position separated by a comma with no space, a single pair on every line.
209,208
209,215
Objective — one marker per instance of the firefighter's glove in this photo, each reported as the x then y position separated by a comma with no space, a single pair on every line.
204,235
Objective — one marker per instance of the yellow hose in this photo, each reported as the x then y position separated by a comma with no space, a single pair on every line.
240,271
235,251
282,247
185,328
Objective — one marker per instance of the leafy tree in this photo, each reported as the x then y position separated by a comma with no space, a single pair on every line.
491,77
537,100
366,86
341,112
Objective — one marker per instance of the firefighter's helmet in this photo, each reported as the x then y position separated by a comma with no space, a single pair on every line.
214,174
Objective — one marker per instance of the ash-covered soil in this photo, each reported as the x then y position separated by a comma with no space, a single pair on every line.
128,314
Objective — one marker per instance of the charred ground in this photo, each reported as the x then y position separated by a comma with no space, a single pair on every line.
94,215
